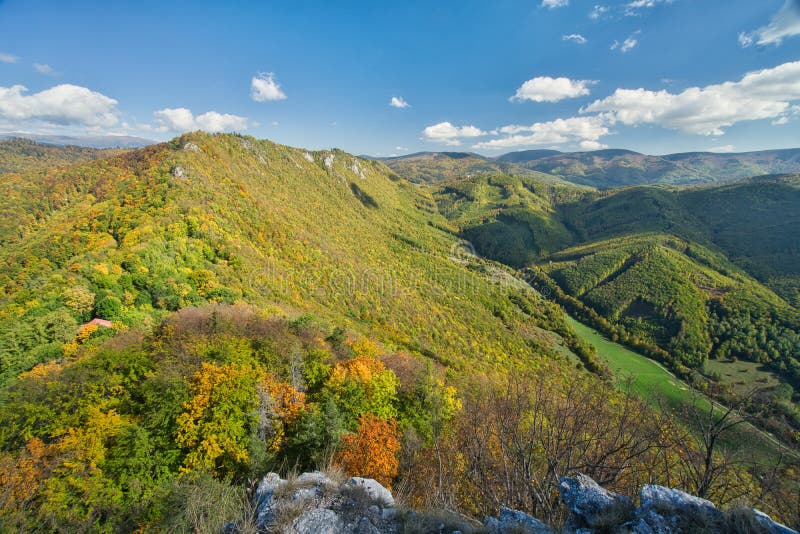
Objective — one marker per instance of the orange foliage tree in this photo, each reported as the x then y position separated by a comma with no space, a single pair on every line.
372,451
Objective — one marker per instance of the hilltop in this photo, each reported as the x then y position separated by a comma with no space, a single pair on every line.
24,155
601,169
88,141
433,167
607,169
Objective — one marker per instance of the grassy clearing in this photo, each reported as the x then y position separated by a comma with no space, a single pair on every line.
657,386
742,375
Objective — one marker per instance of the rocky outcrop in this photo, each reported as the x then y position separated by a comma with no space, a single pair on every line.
314,503
591,506
661,510
514,522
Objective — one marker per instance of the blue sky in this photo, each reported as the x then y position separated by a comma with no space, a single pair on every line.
491,76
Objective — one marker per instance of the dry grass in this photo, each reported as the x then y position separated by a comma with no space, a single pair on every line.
438,521
741,518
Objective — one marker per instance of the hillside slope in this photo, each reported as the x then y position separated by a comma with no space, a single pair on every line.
434,167
606,169
681,274
225,218
23,155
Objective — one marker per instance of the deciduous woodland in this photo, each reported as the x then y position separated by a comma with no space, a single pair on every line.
180,320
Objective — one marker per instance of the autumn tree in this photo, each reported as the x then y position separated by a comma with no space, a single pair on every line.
363,385
371,452
214,425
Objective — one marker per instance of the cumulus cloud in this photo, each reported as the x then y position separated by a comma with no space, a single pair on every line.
631,8
43,68
574,129
592,145
576,37
785,23
264,88
63,105
598,11
547,89
8,58
628,44
447,133
780,121
183,120
763,94
399,102
552,4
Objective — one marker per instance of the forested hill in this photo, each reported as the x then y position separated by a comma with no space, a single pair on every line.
23,155
228,218
602,169
697,277
607,169
433,167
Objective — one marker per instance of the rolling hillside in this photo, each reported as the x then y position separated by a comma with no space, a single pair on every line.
224,218
606,169
657,267
433,167
23,155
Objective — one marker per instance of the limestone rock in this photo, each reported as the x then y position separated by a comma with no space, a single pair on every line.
318,521
592,506
373,489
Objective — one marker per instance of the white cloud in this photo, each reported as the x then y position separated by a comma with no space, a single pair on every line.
399,102
592,145
183,120
62,105
547,89
8,58
573,129
785,23
780,121
762,94
723,148
43,68
628,44
552,4
264,88
632,7
445,132
578,38
401,148
598,11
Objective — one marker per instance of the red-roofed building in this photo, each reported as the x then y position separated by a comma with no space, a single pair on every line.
99,322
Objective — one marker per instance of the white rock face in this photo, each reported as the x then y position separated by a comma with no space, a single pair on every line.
357,170
373,489
329,160
308,157
179,173
318,521
191,147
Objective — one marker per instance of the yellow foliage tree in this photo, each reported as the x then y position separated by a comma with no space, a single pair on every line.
214,424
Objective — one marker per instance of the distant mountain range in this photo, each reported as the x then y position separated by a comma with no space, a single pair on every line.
602,169
91,141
